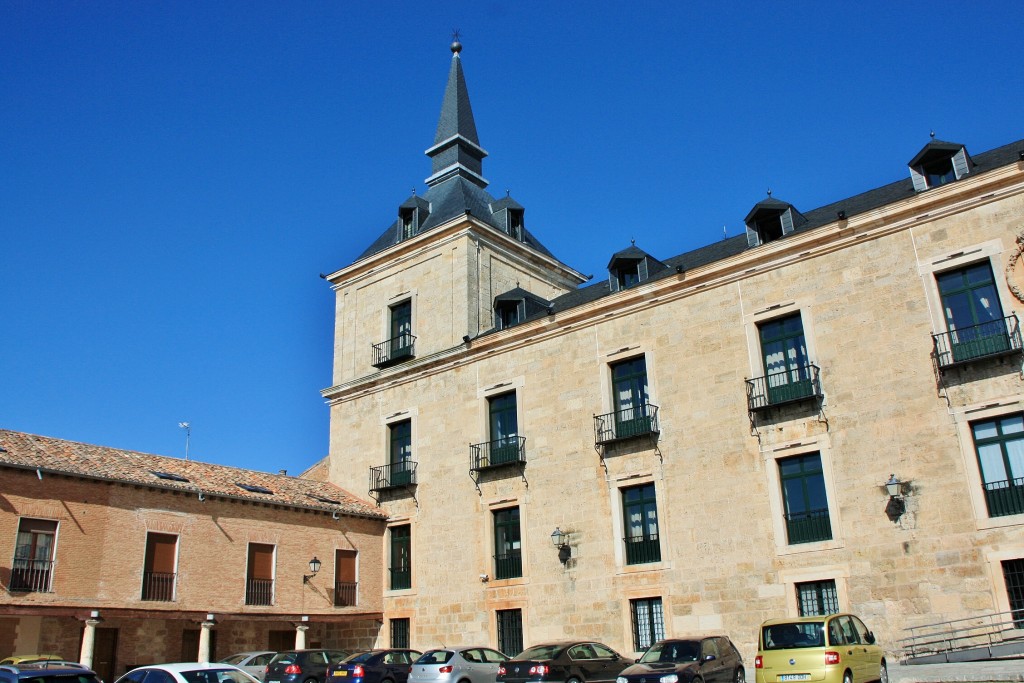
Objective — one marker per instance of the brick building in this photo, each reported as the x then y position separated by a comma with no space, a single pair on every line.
705,436
122,558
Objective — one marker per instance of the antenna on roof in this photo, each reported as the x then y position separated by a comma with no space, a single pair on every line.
188,435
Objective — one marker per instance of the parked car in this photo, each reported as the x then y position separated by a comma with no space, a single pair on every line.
571,661
18,659
458,664
50,673
187,672
252,663
374,666
837,648
302,666
704,659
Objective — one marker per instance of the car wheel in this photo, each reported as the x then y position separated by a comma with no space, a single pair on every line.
847,677
883,673
741,676
697,679
573,680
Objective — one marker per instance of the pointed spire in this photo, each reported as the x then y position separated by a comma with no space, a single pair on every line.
456,150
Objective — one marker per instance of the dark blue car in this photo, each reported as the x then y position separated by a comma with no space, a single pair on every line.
302,666
373,666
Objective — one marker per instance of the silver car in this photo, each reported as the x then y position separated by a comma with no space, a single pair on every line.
252,663
457,665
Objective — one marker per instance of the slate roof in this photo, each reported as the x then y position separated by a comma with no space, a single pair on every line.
824,215
29,451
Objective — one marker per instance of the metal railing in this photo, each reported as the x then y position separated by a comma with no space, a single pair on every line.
345,593
642,550
31,575
401,578
394,350
158,586
504,451
998,634
627,423
259,592
796,384
1005,497
509,565
393,475
966,344
808,527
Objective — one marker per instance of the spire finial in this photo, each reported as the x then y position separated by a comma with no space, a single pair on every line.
769,192
456,45
414,192
508,192
932,134
632,241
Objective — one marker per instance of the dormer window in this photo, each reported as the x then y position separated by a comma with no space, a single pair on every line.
515,306
509,313
631,267
412,215
515,223
770,220
939,163
627,274
407,217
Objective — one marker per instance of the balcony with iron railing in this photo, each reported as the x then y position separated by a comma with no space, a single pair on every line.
31,576
987,340
808,527
158,586
509,565
801,383
639,420
1005,497
394,350
508,450
345,593
259,592
401,578
642,549
392,476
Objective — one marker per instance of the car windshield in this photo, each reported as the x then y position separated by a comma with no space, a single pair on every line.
435,657
358,658
233,659
540,652
792,635
673,651
216,676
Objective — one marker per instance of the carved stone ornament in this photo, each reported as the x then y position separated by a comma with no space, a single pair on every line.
1014,271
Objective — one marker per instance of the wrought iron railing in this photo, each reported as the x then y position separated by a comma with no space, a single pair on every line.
345,593
642,549
401,578
627,423
158,586
796,384
259,592
393,476
1005,497
985,636
509,565
31,575
394,350
504,451
808,527
966,344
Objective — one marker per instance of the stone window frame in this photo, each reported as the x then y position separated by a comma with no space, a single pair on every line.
623,354
992,251
411,296
995,559
616,485
491,507
839,573
392,524
492,390
752,329
633,623
808,445
963,416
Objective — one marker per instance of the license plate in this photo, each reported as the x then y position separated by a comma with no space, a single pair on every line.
343,672
795,677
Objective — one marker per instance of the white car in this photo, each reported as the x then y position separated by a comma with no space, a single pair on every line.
252,663
187,672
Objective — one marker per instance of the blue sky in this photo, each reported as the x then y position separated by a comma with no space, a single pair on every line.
175,175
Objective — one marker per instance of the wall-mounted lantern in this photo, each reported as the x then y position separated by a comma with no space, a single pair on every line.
314,567
560,540
896,506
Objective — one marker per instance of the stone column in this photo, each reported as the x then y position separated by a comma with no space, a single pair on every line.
300,636
88,641
204,641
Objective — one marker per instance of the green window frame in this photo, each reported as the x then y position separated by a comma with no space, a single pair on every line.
508,552
787,367
504,428
999,445
400,452
972,311
804,499
640,524
401,557
630,397
648,622
399,633
401,327
817,598
510,631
